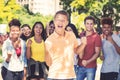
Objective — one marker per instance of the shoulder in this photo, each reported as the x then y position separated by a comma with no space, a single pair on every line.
7,42
30,39
50,38
96,34
115,37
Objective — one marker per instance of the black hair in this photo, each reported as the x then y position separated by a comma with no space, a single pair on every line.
51,22
43,34
72,26
14,22
107,20
89,18
25,25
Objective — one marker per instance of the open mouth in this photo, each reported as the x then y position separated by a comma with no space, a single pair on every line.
60,26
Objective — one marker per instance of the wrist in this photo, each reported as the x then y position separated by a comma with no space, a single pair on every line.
28,46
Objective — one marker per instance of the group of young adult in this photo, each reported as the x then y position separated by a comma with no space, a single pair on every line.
68,55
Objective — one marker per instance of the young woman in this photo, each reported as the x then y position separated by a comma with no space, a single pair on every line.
26,32
36,52
13,52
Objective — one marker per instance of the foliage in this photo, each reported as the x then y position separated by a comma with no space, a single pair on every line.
98,9
78,20
9,10
66,6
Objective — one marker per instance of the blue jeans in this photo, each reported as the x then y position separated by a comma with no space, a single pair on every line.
59,79
8,75
88,73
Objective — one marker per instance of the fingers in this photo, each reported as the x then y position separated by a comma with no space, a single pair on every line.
84,62
84,40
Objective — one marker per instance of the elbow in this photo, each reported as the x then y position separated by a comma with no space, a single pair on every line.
80,56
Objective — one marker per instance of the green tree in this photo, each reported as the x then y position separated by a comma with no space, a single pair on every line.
66,6
98,9
8,9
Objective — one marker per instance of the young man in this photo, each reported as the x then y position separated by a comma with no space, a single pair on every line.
87,61
110,50
60,48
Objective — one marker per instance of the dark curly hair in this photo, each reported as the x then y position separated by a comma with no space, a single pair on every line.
14,22
107,20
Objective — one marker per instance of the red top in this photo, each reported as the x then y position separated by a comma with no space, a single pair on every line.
93,41
18,51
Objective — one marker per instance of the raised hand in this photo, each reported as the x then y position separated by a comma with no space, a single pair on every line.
84,40
110,39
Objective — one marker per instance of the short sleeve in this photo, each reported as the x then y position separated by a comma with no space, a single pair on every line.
98,42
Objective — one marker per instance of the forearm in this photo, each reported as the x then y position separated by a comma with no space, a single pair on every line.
116,47
28,53
80,50
93,58
48,59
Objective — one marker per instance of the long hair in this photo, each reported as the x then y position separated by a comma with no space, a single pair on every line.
43,35
75,31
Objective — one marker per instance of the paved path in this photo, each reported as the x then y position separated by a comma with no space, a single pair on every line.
96,78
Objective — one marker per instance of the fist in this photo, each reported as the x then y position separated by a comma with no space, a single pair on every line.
84,62
84,40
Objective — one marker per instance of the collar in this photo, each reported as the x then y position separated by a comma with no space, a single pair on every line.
57,35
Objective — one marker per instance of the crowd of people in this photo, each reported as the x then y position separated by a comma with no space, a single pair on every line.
59,52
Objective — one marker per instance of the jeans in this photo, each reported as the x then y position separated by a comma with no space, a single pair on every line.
59,79
109,76
119,73
8,75
88,73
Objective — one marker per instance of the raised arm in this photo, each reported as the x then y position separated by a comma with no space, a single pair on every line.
80,49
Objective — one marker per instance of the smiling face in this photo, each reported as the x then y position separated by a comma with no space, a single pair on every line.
38,29
26,31
14,32
60,22
106,29
89,24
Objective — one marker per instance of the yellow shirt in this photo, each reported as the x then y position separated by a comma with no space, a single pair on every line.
38,50
60,55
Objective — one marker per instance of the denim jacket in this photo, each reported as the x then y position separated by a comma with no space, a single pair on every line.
16,63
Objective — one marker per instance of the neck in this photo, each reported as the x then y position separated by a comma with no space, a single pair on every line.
37,38
13,39
88,33
61,34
